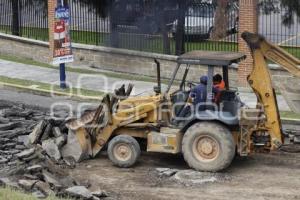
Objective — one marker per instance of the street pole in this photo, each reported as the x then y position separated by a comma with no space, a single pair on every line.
62,71
62,68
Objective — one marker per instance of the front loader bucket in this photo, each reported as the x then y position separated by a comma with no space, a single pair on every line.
83,131
78,145
85,137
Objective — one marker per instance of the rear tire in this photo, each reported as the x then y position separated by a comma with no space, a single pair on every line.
208,146
123,151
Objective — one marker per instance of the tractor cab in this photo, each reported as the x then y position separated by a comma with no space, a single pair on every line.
222,105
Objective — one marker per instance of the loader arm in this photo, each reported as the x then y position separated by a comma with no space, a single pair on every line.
261,82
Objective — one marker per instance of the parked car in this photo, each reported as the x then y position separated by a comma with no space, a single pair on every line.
199,21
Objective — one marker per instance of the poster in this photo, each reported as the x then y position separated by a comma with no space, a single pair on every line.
62,51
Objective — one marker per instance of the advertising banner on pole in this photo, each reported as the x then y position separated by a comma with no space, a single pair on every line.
62,51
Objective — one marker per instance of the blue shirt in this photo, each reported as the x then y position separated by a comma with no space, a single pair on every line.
199,93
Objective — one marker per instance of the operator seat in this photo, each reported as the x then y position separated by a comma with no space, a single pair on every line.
179,100
229,102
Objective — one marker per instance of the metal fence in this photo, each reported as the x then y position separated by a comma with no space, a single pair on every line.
137,25
140,26
26,18
272,27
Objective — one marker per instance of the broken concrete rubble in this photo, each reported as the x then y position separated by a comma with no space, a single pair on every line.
46,133
30,153
51,148
26,153
34,168
26,184
24,139
71,148
3,160
44,188
9,126
60,141
7,182
35,135
38,194
4,120
100,193
166,171
31,177
79,192
70,161
52,179
56,132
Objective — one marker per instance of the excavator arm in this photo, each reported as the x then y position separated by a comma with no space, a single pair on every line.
261,82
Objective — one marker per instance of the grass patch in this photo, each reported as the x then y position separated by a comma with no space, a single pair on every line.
295,51
10,194
25,61
133,41
48,87
289,115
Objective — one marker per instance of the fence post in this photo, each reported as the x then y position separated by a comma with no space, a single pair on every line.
15,17
179,35
248,21
114,34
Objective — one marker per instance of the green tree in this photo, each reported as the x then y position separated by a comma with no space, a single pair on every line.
290,8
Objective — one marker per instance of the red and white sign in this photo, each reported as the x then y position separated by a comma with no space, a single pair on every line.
62,42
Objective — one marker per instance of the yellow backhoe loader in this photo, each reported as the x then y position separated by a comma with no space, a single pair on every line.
210,136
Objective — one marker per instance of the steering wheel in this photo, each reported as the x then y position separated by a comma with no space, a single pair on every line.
191,84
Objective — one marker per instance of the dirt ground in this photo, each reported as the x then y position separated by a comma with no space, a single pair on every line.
259,177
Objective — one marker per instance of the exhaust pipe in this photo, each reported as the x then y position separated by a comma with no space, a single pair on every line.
157,89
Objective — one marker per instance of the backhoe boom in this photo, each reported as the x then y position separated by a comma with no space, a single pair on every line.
261,82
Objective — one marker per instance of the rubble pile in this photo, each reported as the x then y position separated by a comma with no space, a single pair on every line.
188,177
31,154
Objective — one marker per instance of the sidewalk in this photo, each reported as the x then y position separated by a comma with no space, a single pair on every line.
96,82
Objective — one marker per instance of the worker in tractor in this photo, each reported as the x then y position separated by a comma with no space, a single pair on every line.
198,97
219,85
218,82
198,94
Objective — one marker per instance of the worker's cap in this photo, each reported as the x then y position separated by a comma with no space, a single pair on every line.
203,79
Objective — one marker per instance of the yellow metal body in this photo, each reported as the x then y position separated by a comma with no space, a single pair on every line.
131,110
168,140
261,83
135,115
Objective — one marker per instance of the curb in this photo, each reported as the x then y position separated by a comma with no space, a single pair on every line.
48,93
290,121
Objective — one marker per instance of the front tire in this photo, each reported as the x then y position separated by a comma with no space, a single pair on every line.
208,146
123,151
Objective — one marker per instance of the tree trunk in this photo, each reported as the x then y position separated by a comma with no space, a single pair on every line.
221,20
15,28
179,35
